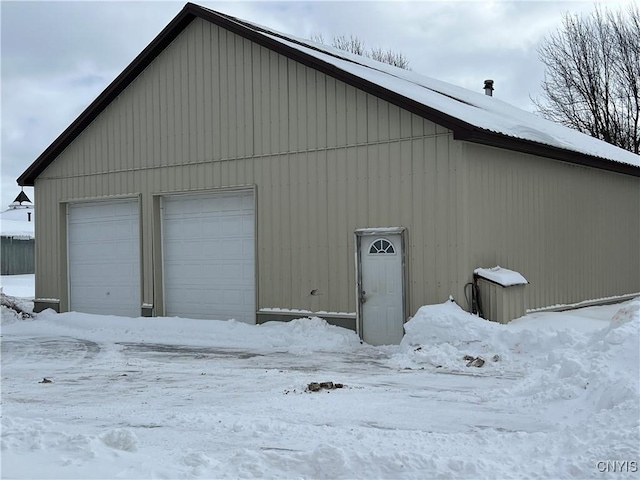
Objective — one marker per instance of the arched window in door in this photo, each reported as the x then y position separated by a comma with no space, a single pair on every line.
382,246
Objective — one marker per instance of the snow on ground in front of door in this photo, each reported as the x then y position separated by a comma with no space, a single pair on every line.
179,398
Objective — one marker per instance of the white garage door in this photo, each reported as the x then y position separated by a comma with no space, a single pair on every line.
208,256
104,257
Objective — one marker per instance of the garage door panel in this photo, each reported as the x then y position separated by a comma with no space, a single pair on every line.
230,272
231,203
248,250
220,274
90,232
125,273
172,231
193,250
177,244
84,251
231,248
187,273
228,304
104,229
233,297
98,292
183,228
248,203
231,227
109,250
208,254
172,209
246,297
214,249
192,295
211,227
248,271
104,257
96,212
128,249
248,226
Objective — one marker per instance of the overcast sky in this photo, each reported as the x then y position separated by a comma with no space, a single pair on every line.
56,57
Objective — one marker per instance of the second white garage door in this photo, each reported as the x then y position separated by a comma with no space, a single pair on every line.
209,256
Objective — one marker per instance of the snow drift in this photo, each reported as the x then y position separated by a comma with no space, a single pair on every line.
556,363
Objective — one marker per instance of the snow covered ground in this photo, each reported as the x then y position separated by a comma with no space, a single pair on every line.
22,286
557,397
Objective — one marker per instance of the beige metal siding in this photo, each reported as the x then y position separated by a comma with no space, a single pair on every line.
572,231
215,110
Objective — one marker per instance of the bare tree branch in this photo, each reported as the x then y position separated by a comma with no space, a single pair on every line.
396,59
351,44
591,79
355,45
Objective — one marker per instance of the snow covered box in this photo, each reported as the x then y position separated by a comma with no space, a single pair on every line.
502,293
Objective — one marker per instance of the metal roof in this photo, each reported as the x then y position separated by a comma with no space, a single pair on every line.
420,95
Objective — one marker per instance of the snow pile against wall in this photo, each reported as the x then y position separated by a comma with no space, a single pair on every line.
13,309
440,336
598,370
306,335
300,336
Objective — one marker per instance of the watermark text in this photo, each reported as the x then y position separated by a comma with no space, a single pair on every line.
614,466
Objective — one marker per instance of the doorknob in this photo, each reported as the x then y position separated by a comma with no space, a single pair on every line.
362,296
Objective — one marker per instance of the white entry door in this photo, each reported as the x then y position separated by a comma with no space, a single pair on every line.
209,256
103,245
382,289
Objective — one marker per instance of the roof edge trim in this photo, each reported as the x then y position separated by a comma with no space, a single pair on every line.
492,139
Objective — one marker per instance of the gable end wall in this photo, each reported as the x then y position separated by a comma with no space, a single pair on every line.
215,110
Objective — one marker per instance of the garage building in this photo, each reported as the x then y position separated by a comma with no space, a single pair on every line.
236,172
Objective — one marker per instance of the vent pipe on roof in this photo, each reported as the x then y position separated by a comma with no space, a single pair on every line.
488,87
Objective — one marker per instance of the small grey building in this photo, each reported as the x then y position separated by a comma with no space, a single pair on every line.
17,243
231,171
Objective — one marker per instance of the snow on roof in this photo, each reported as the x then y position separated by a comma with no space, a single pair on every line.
474,108
16,228
472,116
14,222
501,276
